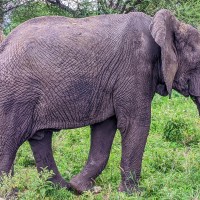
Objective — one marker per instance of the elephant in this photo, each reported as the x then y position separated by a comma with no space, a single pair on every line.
103,71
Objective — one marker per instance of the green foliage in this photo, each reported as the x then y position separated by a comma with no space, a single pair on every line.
173,131
7,186
31,10
181,8
165,161
188,11
25,158
181,131
177,124
36,186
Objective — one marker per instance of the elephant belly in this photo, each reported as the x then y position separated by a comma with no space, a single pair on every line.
73,111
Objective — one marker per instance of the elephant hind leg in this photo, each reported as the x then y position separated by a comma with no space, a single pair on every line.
102,135
41,145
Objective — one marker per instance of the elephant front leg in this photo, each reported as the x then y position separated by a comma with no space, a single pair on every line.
134,137
41,145
8,149
6,164
102,135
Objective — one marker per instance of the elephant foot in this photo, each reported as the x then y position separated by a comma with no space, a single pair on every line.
129,188
60,182
80,185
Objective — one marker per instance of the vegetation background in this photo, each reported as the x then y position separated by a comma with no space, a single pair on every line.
171,163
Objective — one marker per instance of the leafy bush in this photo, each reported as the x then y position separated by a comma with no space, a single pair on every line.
35,186
7,187
180,131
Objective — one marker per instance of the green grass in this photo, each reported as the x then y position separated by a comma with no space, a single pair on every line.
171,164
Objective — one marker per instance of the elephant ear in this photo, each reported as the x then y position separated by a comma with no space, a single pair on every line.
162,30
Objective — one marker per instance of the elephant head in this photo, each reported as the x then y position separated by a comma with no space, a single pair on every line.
180,54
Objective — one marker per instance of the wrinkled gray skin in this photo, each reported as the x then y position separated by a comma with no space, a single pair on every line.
59,73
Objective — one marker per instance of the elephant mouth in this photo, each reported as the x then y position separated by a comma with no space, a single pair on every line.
196,100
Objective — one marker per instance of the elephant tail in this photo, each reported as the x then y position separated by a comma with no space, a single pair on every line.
1,36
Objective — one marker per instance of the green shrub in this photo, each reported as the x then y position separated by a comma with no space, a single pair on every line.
181,131
24,156
7,187
173,130
32,186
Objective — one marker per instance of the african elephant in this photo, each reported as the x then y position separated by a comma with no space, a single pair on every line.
103,71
